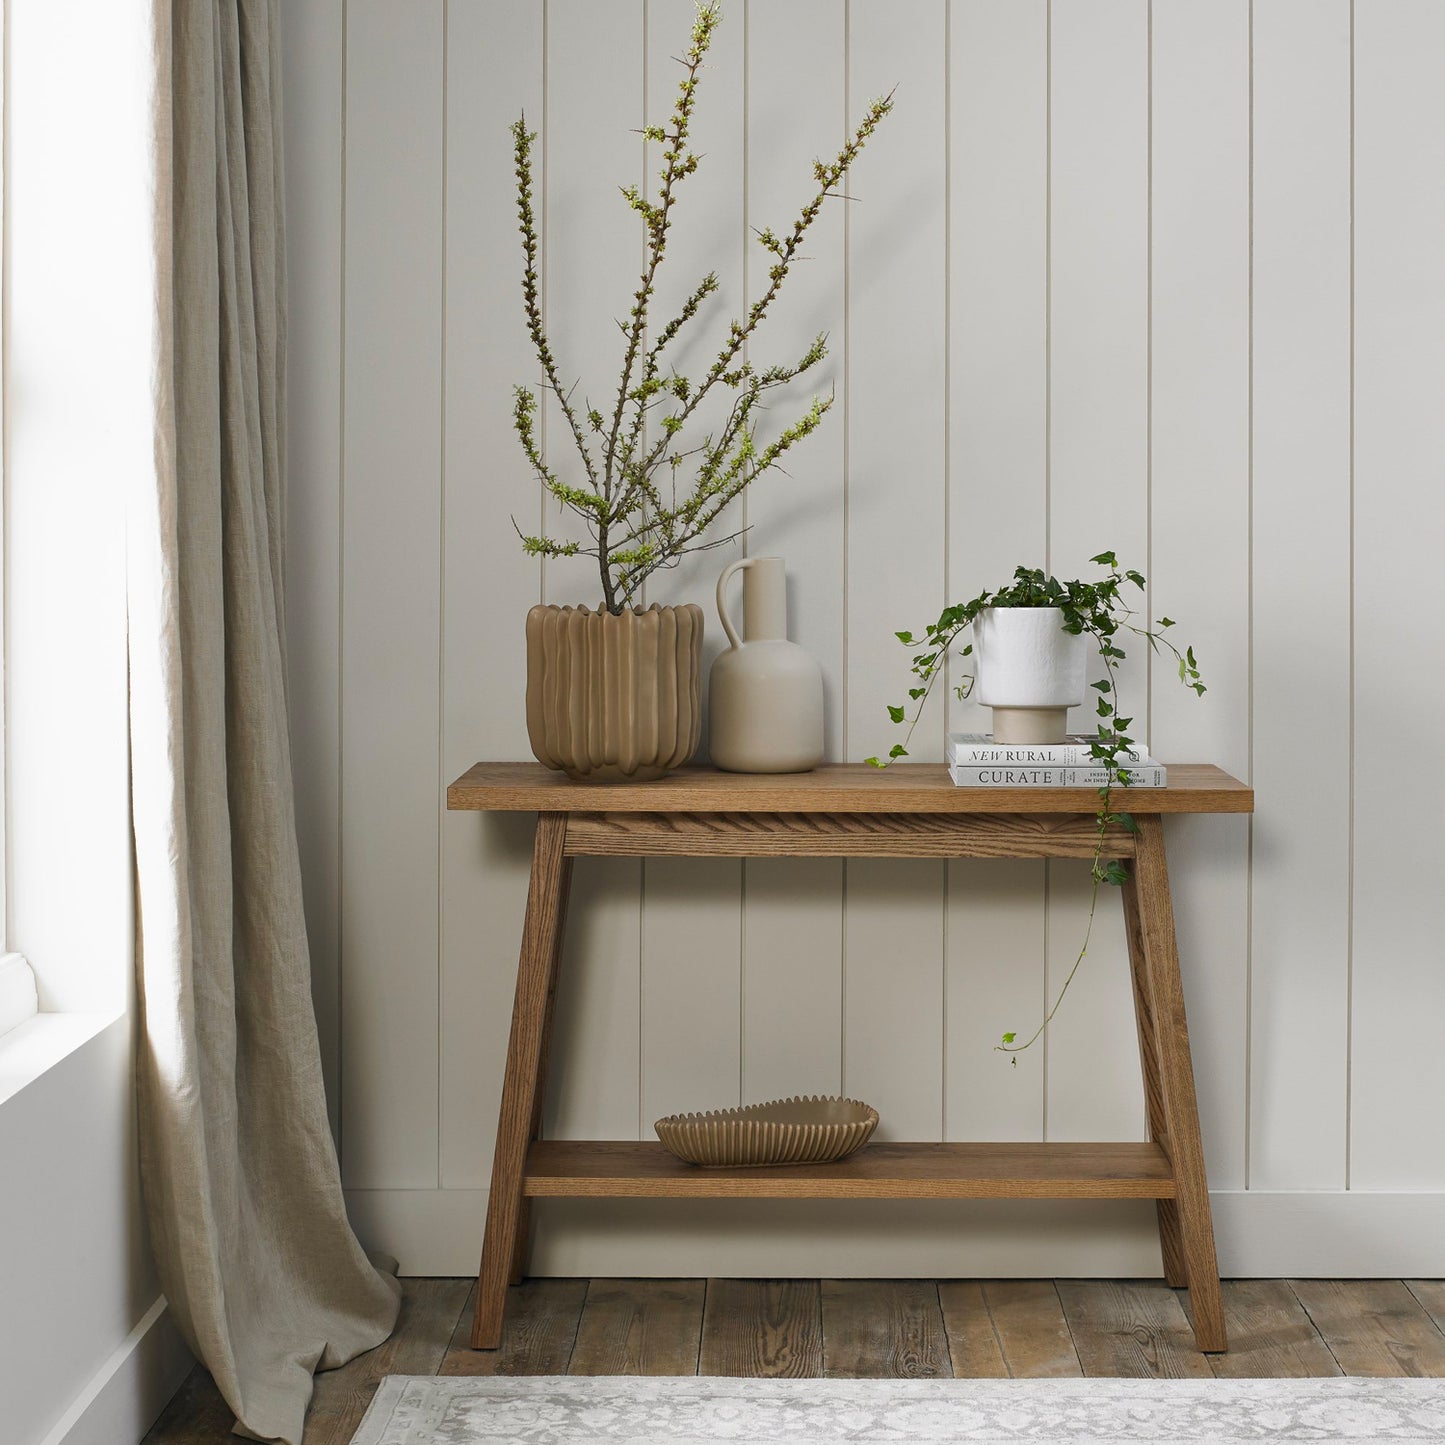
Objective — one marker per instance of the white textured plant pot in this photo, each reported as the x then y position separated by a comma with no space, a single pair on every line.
1030,672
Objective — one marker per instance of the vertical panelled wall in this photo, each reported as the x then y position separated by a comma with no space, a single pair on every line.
1158,277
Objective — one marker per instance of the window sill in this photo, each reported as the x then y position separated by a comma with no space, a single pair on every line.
31,1049
18,999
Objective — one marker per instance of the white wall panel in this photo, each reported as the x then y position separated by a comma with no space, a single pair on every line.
1098,491
897,260
792,1007
792,941
896,516
692,925
1301,549
494,74
994,949
1094,290
794,114
1198,562
391,609
997,514
893,994
1399,526
692,988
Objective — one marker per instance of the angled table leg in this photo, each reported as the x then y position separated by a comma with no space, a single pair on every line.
523,1081
1171,1244
1164,995
524,1214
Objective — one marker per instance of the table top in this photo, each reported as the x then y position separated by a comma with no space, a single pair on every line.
837,788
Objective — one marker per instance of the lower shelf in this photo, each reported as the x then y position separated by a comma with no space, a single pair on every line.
568,1168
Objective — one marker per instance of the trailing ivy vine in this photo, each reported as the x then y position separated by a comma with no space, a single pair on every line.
1099,609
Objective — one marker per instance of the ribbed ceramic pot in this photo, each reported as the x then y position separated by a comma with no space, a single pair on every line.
614,698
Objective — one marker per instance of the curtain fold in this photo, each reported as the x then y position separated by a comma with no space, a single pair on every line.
242,1188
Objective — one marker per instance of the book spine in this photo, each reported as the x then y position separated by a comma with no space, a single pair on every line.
1052,755
1151,775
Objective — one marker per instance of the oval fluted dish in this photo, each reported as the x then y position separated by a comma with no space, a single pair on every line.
803,1130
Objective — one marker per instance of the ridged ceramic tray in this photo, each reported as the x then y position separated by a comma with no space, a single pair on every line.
817,1130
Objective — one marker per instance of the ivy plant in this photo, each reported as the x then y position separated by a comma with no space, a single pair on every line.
643,482
1100,609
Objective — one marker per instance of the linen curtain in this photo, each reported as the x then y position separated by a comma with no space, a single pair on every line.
242,1189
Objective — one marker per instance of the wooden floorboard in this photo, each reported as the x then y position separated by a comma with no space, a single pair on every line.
1133,1329
1431,1295
639,1327
1033,1333
974,1350
762,1329
196,1415
1374,1326
537,1337
867,1328
883,1327
1271,1335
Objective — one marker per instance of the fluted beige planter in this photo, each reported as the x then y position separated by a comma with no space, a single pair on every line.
614,698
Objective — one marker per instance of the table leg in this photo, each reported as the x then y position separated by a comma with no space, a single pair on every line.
1178,1104
1171,1244
524,1215
523,1081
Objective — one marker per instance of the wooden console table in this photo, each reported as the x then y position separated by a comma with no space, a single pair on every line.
854,811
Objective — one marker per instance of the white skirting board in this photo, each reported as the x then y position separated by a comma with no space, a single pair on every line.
1346,1234
131,1388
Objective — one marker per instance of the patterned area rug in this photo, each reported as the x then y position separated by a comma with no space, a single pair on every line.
544,1410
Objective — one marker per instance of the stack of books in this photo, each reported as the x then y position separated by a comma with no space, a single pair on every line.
976,761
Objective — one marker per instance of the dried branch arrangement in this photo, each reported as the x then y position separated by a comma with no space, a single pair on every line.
646,486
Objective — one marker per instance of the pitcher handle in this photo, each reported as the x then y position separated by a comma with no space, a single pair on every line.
722,611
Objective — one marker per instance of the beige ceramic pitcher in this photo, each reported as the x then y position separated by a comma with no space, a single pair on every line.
766,693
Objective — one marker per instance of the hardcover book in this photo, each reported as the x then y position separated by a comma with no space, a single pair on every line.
1014,775
1073,752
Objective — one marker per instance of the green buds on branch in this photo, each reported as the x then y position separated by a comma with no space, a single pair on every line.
634,524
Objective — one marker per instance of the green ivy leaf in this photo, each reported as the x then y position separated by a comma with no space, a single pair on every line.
1095,609
875,762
